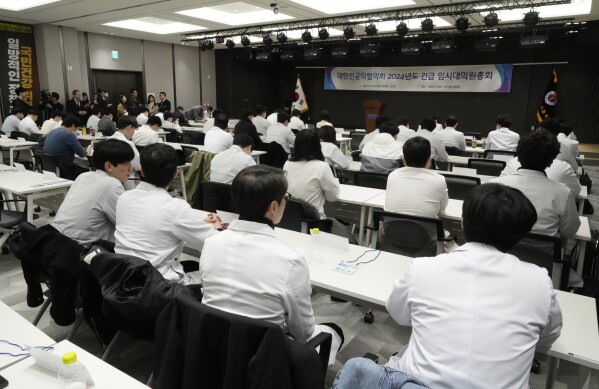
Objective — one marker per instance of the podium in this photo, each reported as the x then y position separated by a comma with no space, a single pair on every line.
372,109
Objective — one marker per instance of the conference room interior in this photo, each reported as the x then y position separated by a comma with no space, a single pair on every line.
75,48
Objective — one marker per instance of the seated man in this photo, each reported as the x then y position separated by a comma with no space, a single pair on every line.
368,137
106,125
246,127
564,138
28,125
502,138
555,204
152,225
296,123
63,142
438,152
88,212
169,125
247,271
405,133
218,138
260,120
51,124
11,123
413,189
281,133
383,152
209,124
566,153
142,118
179,115
325,119
226,164
449,137
477,314
94,119
147,134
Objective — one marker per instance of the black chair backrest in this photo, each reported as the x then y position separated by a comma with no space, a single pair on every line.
197,138
212,196
487,167
188,150
356,139
452,150
186,138
19,134
459,186
301,217
541,250
371,180
488,154
477,135
408,235
50,163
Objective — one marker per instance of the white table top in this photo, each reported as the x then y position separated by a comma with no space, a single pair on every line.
16,329
475,150
357,194
26,374
194,124
193,129
22,183
457,160
91,137
177,146
8,143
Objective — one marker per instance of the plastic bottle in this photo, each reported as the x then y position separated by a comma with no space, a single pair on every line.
71,374
474,144
315,250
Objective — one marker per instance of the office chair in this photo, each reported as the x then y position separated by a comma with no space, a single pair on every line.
19,134
187,150
300,216
212,196
500,155
452,150
487,167
10,220
371,180
356,139
459,186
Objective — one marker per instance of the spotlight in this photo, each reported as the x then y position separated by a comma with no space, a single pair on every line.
348,33
442,47
203,46
371,29
281,37
267,39
491,19
230,44
533,41
264,56
209,45
427,25
307,36
486,45
219,39
323,33
402,29
245,41
462,23
531,19
289,55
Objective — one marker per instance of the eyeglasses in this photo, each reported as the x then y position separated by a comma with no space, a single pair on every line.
287,196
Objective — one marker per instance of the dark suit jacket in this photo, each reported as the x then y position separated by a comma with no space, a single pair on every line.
245,126
18,103
182,119
73,108
164,104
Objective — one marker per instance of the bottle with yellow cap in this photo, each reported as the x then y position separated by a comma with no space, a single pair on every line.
314,255
72,373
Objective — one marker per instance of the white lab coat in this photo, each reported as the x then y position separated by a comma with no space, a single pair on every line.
450,137
438,152
280,134
333,156
217,140
313,182
502,139
416,191
145,136
559,171
226,164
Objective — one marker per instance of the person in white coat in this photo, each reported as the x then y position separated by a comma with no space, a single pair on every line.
370,136
226,164
497,309
296,123
383,152
219,138
126,126
449,136
147,134
281,133
559,171
28,125
405,132
332,155
260,120
502,138
438,152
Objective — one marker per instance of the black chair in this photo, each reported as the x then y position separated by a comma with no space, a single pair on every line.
300,216
19,134
49,163
212,196
468,137
10,220
187,150
90,160
412,236
356,139
490,154
487,167
459,186
452,150
371,180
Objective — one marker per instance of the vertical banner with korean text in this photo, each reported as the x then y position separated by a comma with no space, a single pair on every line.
18,65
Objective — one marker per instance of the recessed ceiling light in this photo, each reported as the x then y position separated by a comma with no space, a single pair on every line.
332,7
14,5
577,7
235,14
155,25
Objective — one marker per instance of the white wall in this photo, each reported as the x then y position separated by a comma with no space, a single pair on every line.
187,72
100,53
208,62
49,60
158,59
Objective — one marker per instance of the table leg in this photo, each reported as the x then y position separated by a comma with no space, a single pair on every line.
580,206
584,377
582,248
362,217
369,232
182,178
10,152
29,209
551,372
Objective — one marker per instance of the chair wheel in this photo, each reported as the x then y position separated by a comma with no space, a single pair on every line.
52,213
536,366
37,209
369,317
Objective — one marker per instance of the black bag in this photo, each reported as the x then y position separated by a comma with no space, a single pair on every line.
588,208
586,181
18,238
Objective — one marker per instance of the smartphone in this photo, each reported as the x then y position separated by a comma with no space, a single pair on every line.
3,382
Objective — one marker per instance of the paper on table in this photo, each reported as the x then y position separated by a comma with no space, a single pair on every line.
20,167
227,217
49,174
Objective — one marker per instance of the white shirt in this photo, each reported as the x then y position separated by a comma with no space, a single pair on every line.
11,123
556,208
381,154
451,138
572,145
502,139
49,125
295,123
261,124
217,140
209,125
438,127
416,191
142,119
438,152
313,182
160,115
333,156
324,123
559,171
273,118
135,162
367,138
280,134
93,121
477,315
271,283
226,164
166,125
152,225
405,133
28,126
145,136
88,211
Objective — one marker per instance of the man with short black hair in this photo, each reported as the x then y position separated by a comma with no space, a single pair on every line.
383,152
126,128
325,117
296,123
246,127
134,104
260,120
449,136
169,125
28,125
369,136
11,123
502,138
405,133
438,152
106,125
210,122
63,143
20,102
281,133
88,212
555,204
76,107
142,118
163,103
152,225
94,118
226,164
179,115
247,271
499,310
414,189
218,138
148,133
52,123
566,153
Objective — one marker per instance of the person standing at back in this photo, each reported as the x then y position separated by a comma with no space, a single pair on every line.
76,107
20,101
502,138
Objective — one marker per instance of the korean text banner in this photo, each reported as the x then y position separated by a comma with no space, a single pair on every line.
467,78
18,65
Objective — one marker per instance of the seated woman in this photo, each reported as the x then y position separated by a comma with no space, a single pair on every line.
332,155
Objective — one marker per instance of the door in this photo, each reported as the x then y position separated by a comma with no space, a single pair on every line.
117,83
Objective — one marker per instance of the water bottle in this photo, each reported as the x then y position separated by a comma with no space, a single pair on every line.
474,142
315,257
71,374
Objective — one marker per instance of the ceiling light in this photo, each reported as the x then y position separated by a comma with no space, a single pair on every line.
307,36
281,37
13,5
289,55
245,41
348,33
371,29
323,33
491,19
402,29
576,7
236,14
155,25
462,23
267,39
230,44
427,25
531,19
571,32
264,56
533,41
209,45
332,7
219,39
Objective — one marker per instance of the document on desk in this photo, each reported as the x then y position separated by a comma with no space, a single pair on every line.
227,217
